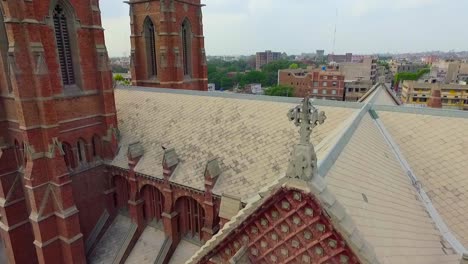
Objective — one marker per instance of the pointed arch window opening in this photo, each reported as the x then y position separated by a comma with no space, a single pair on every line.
64,49
81,152
186,48
4,53
150,39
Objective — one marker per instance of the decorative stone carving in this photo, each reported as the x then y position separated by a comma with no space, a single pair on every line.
297,196
185,7
284,252
274,236
307,235
273,258
332,243
263,244
254,251
264,222
320,227
295,243
254,230
308,211
305,259
274,214
284,228
344,259
303,161
296,220
319,251
285,205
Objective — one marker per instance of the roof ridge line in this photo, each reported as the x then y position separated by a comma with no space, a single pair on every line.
239,96
342,140
426,201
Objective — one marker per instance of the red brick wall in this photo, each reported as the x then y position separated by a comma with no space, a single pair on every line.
168,21
307,83
39,113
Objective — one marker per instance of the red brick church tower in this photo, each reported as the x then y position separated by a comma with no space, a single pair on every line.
168,44
57,125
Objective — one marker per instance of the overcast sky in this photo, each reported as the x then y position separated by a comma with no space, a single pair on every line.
235,27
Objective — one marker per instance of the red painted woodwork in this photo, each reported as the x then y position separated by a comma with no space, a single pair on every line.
154,203
191,217
290,228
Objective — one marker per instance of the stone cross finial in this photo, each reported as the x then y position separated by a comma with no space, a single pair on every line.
307,117
303,161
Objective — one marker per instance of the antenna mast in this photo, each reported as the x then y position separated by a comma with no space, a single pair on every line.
334,34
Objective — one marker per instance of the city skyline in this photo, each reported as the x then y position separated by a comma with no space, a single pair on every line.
292,28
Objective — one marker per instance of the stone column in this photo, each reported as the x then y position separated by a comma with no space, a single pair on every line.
135,203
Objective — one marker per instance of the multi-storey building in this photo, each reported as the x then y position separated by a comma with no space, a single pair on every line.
263,58
398,66
318,84
348,57
168,44
449,71
354,90
453,96
366,69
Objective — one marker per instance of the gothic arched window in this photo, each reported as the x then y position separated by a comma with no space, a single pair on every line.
187,47
192,217
68,156
81,152
4,53
150,43
96,145
64,45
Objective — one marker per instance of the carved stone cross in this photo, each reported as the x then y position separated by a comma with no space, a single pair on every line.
307,117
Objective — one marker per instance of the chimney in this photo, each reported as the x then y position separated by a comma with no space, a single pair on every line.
435,101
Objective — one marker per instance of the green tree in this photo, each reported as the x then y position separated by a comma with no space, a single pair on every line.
410,76
226,83
294,66
280,90
119,78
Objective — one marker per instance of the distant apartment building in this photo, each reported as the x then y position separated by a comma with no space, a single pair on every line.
266,57
449,71
348,57
317,83
382,71
454,96
397,67
366,69
354,90
319,55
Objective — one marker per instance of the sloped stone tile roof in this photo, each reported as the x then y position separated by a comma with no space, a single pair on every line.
436,148
371,184
251,139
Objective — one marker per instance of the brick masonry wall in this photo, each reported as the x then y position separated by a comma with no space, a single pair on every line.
41,114
167,18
